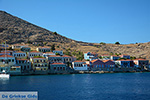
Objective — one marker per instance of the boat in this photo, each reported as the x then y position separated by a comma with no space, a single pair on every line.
4,74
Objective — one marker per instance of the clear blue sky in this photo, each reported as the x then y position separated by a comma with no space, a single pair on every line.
126,21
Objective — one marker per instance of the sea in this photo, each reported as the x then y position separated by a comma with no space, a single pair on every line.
107,86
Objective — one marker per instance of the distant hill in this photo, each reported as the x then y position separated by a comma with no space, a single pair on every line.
16,30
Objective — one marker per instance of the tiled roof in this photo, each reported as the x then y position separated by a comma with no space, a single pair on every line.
107,60
58,64
124,60
54,56
105,55
44,47
6,56
19,52
34,52
39,58
94,60
49,52
66,56
21,59
78,61
139,59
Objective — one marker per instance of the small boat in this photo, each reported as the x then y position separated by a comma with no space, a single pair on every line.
4,74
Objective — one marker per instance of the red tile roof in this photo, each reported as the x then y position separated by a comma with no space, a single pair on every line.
140,59
107,60
6,56
21,59
124,60
35,52
105,55
49,52
19,52
94,60
54,56
66,56
78,61
58,64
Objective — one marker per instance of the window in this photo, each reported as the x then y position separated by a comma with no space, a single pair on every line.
12,60
35,65
63,68
9,60
60,68
54,68
57,68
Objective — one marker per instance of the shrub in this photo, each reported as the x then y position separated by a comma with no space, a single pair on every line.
117,43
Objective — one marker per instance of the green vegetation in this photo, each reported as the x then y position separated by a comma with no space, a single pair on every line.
57,53
53,47
132,58
117,43
79,55
111,53
122,59
102,43
55,33
29,42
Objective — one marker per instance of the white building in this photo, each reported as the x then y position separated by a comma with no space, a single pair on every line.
48,53
79,65
34,53
19,54
58,51
43,49
6,61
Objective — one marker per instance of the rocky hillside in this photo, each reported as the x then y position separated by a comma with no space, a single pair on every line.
16,30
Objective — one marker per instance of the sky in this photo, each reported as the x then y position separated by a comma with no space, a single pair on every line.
95,21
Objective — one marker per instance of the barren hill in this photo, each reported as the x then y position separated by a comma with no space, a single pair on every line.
16,30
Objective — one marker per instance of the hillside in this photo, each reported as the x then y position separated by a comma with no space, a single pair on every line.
16,30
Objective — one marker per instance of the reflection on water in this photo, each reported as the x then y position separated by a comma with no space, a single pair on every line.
4,80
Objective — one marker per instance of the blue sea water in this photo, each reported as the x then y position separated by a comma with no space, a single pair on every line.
117,86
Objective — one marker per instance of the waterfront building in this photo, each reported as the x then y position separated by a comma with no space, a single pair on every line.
142,63
25,64
15,70
6,61
114,57
109,65
67,59
58,67
60,52
34,53
125,65
54,59
43,49
47,54
3,53
19,54
79,65
125,56
90,56
39,63
25,49
97,64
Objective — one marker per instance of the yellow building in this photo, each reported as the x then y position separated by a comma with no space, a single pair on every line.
39,63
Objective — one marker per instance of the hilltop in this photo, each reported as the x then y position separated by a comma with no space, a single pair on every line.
15,30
